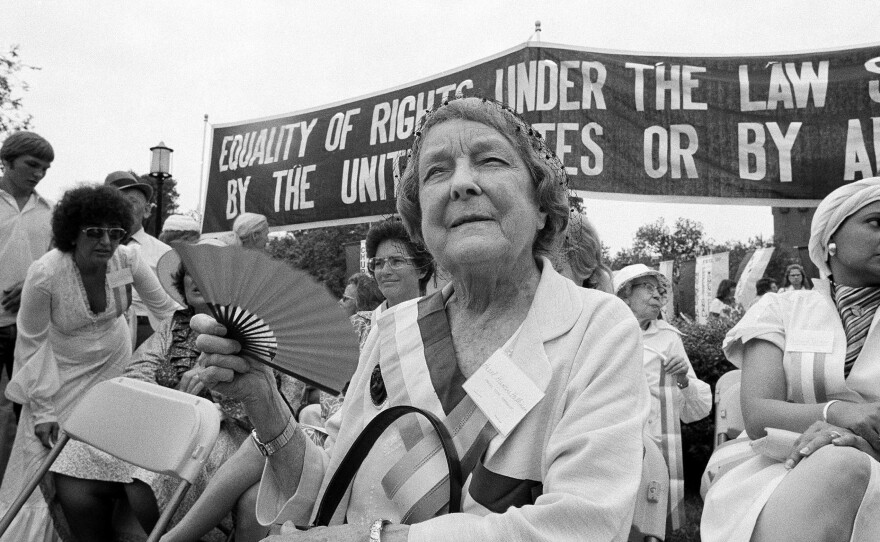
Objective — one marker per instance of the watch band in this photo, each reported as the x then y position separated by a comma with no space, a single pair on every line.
376,529
271,447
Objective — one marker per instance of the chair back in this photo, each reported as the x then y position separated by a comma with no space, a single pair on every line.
729,421
649,516
156,428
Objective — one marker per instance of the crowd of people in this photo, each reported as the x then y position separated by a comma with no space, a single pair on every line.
551,373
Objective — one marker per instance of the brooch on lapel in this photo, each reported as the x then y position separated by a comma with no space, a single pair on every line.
378,393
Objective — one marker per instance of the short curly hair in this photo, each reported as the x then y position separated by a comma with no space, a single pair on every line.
548,175
88,205
393,229
26,143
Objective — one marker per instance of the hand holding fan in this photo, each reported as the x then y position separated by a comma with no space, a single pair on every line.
281,316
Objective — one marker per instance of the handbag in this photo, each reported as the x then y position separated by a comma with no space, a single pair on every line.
355,456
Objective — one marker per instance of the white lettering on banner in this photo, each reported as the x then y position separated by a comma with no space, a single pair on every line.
540,86
787,86
873,66
679,86
671,151
231,199
294,189
751,136
857,159
337,131
236,191
398,118
243,184
363,179
256,147
546,129
548,76
598,156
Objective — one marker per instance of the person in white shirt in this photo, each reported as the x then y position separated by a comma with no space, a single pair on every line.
140,196
25,235
676,392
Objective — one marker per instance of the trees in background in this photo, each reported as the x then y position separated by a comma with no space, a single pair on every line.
12,86
320,252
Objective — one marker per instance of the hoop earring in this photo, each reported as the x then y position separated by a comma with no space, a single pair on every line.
832,249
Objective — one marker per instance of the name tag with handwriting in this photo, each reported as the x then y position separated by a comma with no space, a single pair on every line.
808,340
503,392
119,278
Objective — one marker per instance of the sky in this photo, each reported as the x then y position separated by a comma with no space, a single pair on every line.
116,78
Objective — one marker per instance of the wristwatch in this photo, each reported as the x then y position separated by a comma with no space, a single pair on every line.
376,529
271,447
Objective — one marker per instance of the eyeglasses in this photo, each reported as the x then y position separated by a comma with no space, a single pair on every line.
346,298
396,263
651,288
114,234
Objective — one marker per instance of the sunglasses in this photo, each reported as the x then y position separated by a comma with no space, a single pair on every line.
396,263
114,234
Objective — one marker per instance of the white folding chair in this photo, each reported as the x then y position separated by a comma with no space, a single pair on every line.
729,421
649,517
156,428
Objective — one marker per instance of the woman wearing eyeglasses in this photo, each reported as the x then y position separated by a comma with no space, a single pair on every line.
676,392
401,267
72,335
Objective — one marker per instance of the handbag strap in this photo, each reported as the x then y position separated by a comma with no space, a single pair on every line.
355,456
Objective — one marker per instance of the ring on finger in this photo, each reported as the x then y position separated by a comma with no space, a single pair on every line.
834,435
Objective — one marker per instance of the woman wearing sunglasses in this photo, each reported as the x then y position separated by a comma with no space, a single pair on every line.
72,335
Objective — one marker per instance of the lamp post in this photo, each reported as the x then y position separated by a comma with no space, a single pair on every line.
160,169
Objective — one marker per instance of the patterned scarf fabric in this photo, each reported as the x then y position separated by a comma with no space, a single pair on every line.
856,307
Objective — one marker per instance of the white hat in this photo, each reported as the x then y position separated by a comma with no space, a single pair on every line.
181,223
632,272
248,223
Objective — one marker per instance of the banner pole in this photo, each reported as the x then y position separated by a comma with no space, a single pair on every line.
202,167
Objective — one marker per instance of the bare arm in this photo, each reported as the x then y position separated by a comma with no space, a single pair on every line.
763,393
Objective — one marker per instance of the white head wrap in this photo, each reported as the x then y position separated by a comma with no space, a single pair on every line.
181,223
248,223
831,213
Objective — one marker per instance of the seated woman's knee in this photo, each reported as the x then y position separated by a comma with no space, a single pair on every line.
845,468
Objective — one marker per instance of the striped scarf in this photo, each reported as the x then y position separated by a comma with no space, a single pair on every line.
418,336
856,306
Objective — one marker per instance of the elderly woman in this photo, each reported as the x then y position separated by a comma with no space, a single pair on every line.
795,279
72,335
252,230
557,366
677,395
810,367
580,257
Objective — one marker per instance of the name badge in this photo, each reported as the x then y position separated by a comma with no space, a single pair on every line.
503,392
118,278
808,340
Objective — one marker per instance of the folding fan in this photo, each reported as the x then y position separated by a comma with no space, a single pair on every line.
280,315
